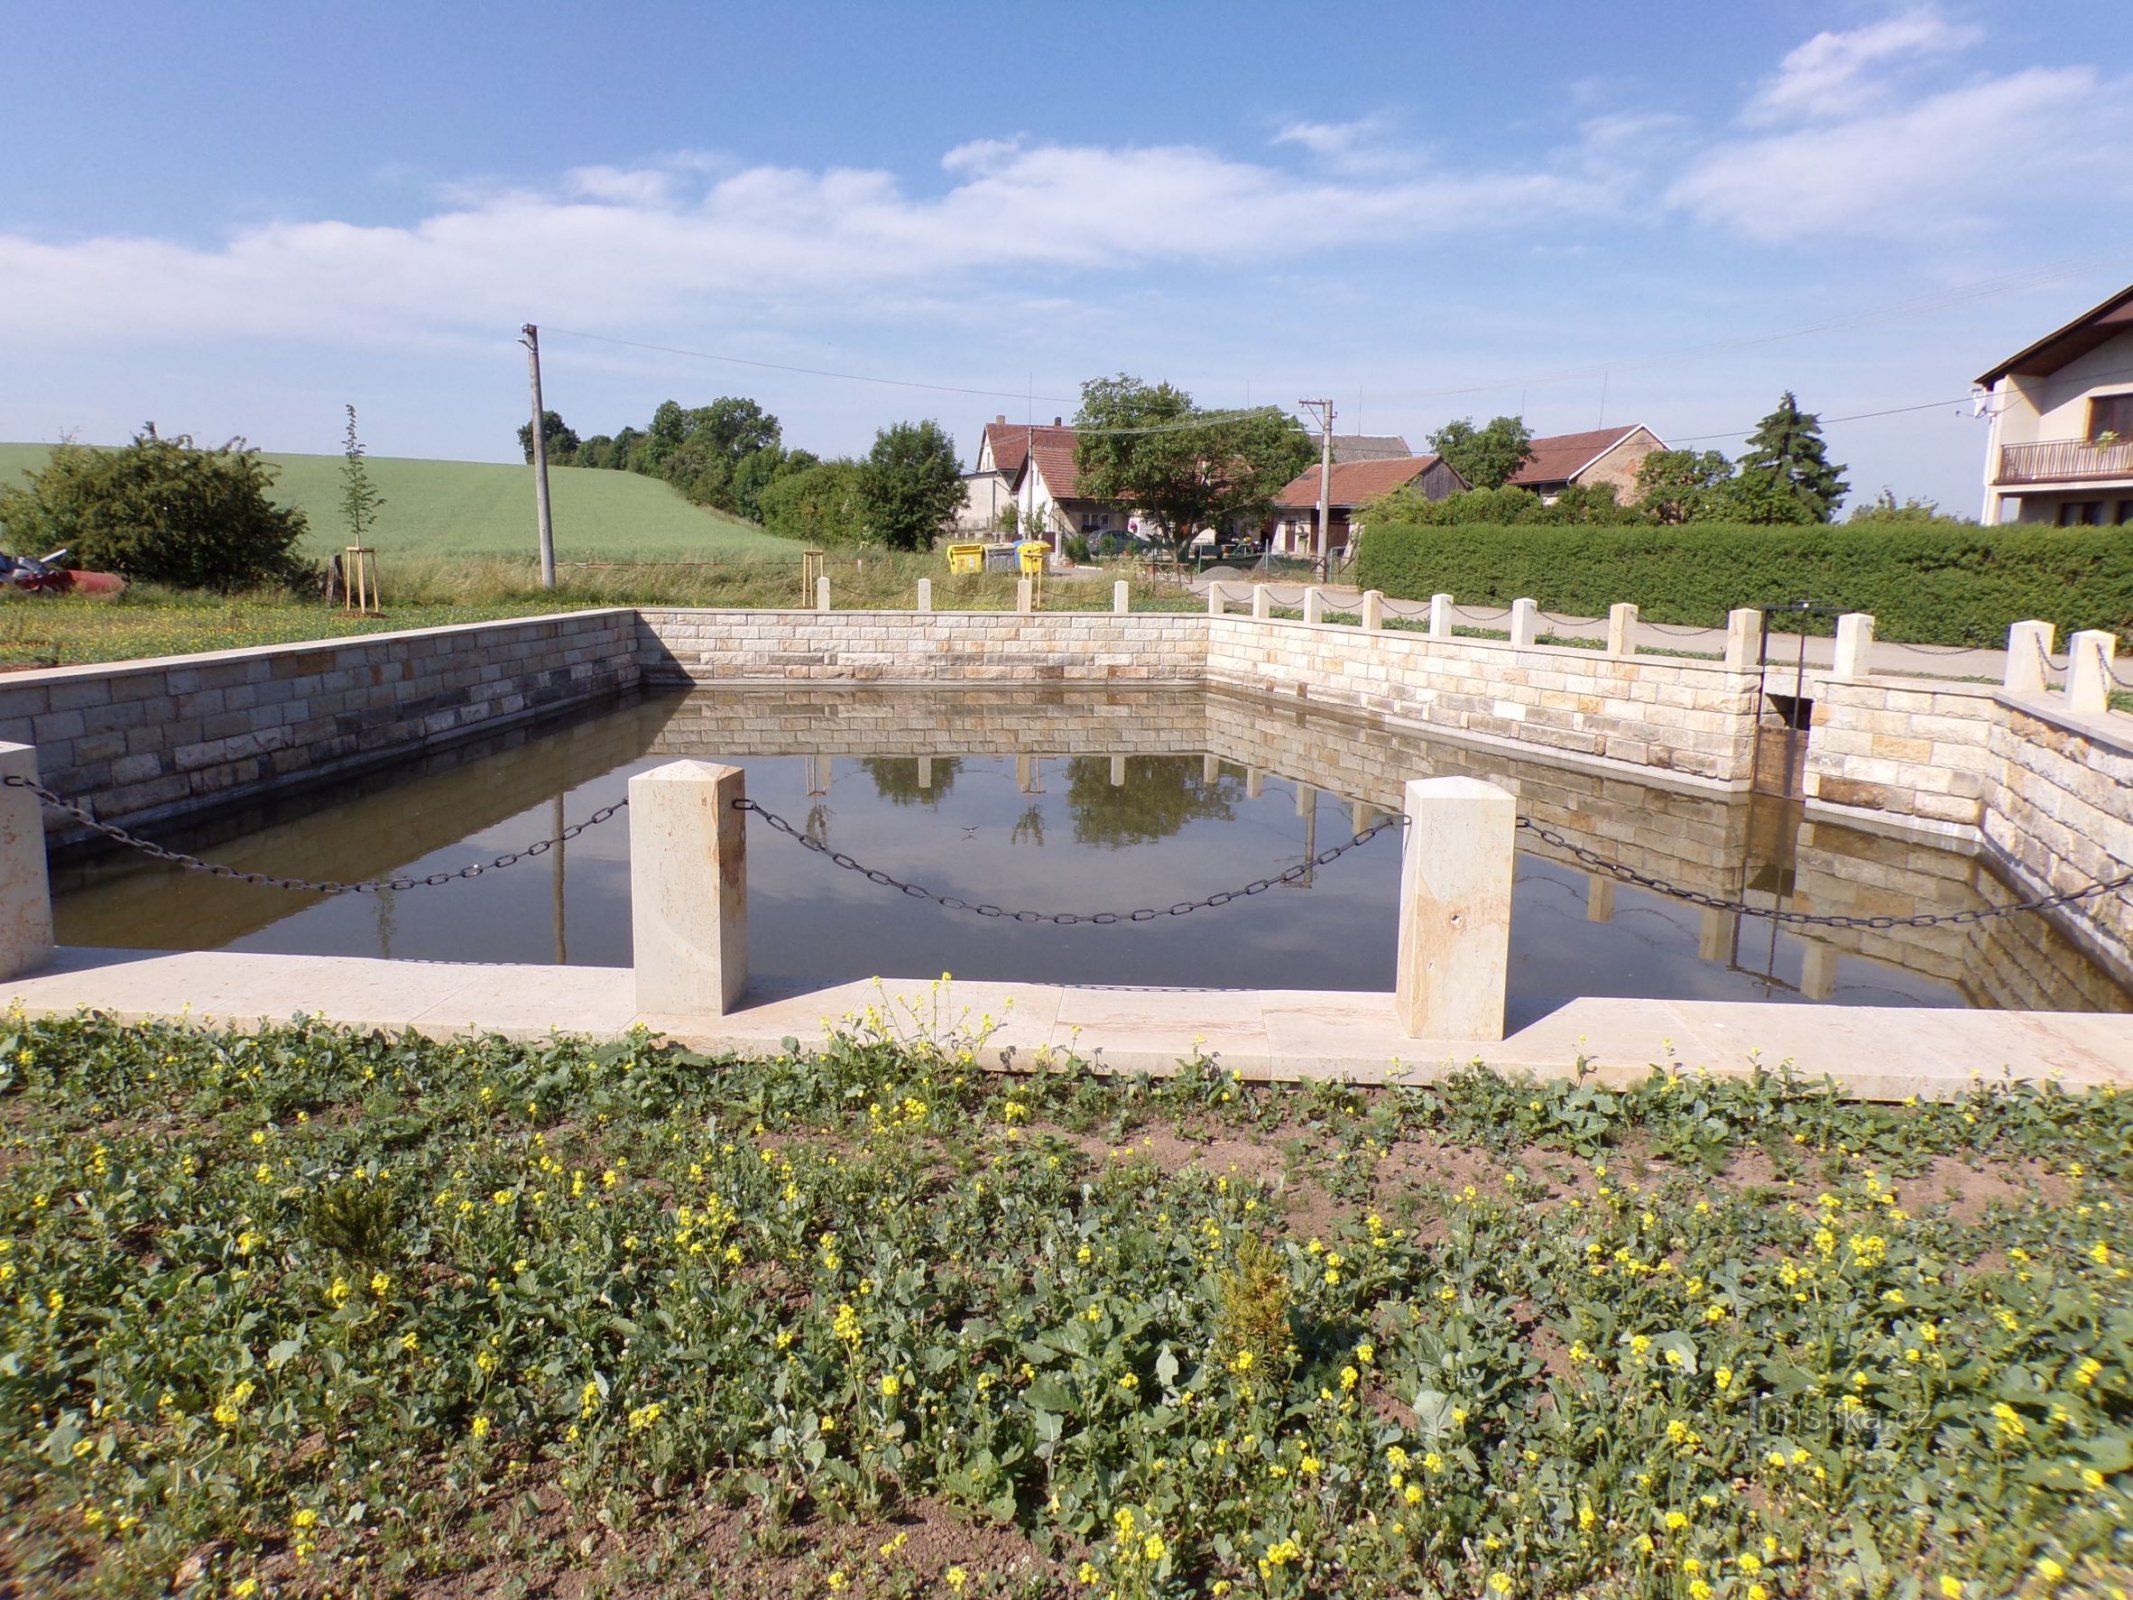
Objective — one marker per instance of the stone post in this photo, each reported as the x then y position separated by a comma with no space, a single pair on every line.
1744,638
1373,610
925,772
1121,597
822,593
1714,934
1440,616
2028,643
1622,629
25,890
925,594
1314,604
1210,769
1118,772
1262,603
1525,622
2088,671
1025,595
688,889
1254,782
1455,909
1214,599
1306,799
1599,897
1358,815
1818,970
1854,657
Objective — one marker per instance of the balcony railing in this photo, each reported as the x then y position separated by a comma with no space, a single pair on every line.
2064,461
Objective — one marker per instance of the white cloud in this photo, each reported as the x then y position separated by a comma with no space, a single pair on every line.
634,246
1950,161
1842,74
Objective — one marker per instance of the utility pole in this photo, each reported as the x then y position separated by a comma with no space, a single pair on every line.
532,342
1323,409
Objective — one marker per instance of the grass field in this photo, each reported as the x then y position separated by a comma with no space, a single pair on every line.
305,1313
480,508
433,591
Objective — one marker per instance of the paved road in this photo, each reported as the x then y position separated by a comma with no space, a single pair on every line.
1890,657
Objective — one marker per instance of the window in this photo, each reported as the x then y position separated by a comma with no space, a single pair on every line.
2125,513
2080,513
2112,414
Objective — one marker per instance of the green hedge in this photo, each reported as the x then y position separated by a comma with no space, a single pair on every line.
1923,585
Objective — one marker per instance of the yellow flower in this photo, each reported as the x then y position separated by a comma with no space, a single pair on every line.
480,1427
1951,1588
2049,1570
306,1518
1500,1582
957,1577
890,1386
1152,1547
1676,1521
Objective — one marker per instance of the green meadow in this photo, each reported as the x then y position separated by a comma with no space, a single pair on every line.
483,508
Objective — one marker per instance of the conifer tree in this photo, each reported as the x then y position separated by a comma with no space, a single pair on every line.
1787,454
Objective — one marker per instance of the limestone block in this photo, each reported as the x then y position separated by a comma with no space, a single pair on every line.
1525,622
1744,638
925,594
1455,909
25,890
1262,603
1373,610
1622,629
2088,678
1314,607
1855,645
688,889
2028,644
1121,597
1440,616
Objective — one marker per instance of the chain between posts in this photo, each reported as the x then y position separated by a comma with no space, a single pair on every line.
1068,919
214,869
1623,873
1583,855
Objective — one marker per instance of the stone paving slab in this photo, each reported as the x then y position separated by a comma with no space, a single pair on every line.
1886,1053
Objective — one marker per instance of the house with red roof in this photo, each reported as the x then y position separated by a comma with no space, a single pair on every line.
1032,467
1353,484
1603,455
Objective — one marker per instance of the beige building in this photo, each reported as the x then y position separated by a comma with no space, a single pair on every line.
1602,455
2061,450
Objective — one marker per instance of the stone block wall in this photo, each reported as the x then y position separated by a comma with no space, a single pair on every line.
144,741
2049,794
974,647
1695,719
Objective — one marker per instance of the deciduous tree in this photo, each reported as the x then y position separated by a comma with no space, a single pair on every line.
1185,468
561,442
1486,457
159,511
910,484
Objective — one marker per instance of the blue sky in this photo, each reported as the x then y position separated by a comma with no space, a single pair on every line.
234,219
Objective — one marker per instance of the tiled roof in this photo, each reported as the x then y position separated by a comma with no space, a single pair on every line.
1053,450
1355,481
1558,456
1369,447
1010,441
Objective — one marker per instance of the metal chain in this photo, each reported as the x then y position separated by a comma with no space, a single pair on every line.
191,863
1067,919
1696,897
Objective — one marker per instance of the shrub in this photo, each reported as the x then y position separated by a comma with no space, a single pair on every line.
1925,584
819,505
159,511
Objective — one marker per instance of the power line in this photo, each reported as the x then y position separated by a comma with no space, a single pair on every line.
811,372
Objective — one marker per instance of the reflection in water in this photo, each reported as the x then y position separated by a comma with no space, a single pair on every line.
1141,799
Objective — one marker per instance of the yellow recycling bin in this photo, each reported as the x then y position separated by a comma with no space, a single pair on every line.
966,556
1031,555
